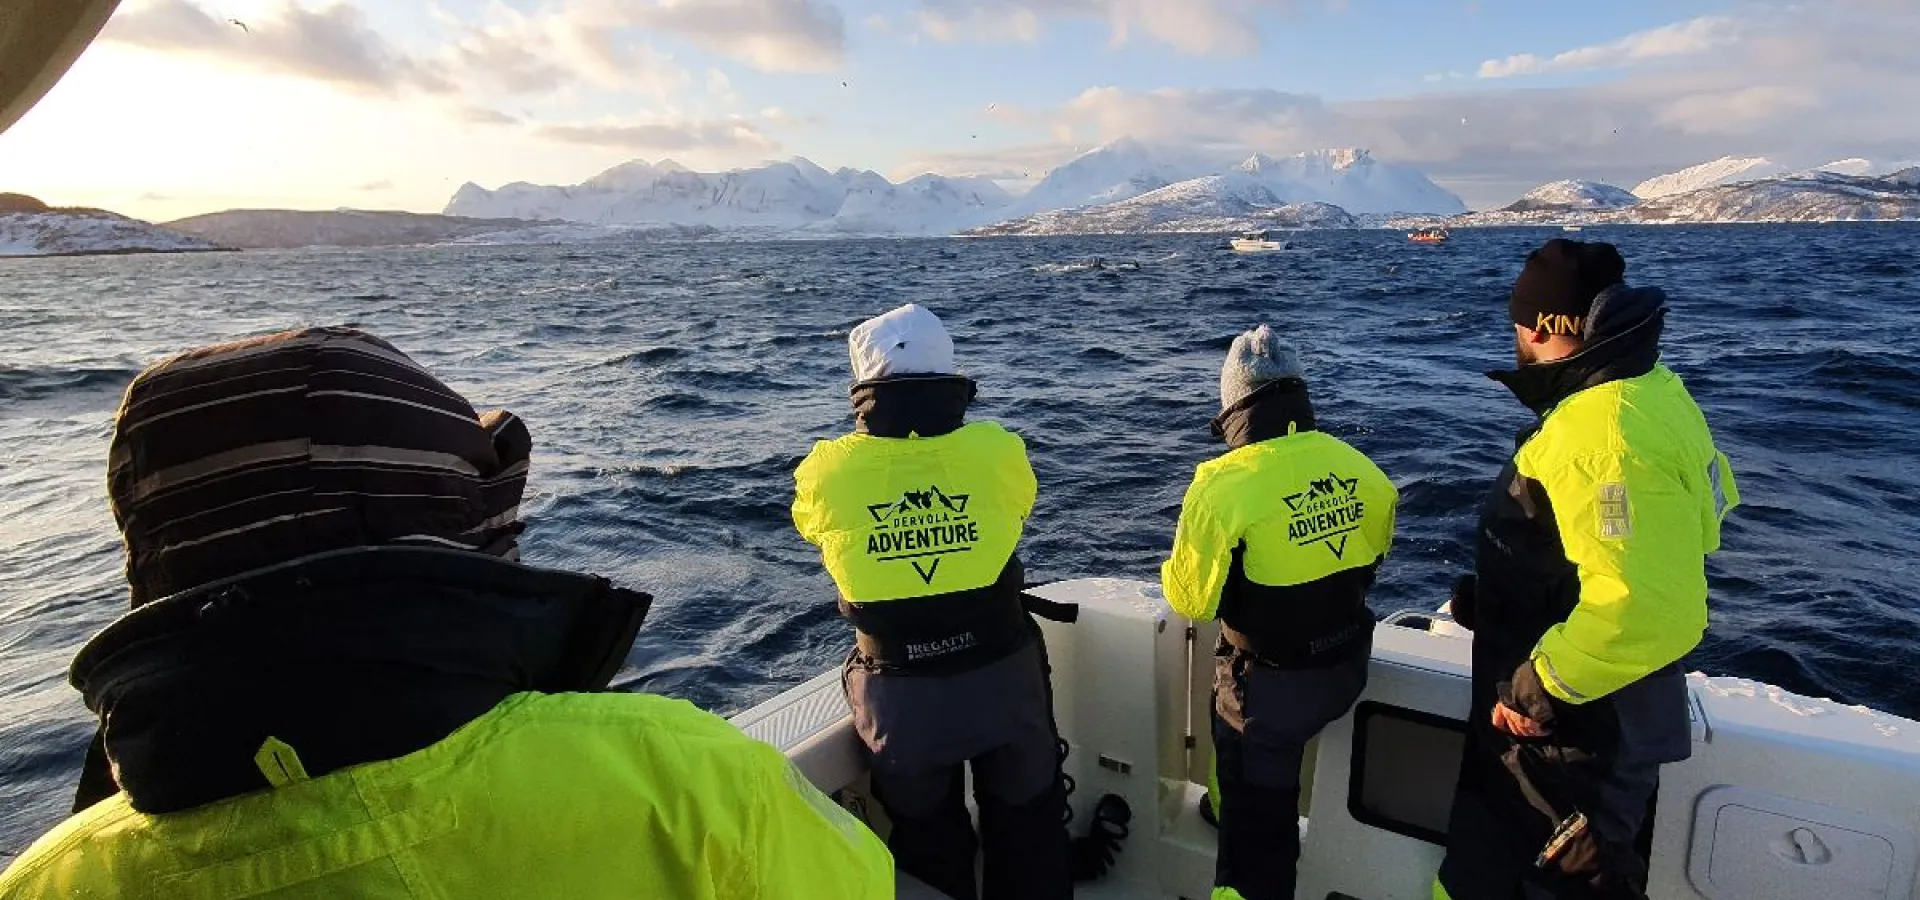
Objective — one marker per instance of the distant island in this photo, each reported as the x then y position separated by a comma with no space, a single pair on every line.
1125,187
267,229
29,227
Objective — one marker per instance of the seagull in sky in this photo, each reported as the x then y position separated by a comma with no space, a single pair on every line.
240,24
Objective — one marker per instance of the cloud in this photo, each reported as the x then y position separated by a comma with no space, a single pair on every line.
770,35
1197,116
549,53
666,134
1802,86
1193,27
332,44
1024,163
1736,110
720,87
480,115
514,60
1687,38
375,186
981,24
607,44
780,118
601,43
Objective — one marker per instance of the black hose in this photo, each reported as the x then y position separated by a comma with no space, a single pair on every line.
1067,784
1093,854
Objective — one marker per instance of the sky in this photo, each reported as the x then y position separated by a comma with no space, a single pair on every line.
190,106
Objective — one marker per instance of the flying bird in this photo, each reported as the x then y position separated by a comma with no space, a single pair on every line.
844,84
241,25
992,106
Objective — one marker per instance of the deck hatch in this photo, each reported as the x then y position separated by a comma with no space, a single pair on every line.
1404,766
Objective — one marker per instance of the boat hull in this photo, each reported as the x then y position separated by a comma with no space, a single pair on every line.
1784,796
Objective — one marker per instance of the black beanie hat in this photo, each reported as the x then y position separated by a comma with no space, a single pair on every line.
1557,287
321,439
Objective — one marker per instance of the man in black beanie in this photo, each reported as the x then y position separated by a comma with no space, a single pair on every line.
1555,292
1589,585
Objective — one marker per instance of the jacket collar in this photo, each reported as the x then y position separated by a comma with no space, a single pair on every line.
349,657
1276,409
1623,341
910,405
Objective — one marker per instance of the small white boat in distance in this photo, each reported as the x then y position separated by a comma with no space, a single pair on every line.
1569,228
1258,242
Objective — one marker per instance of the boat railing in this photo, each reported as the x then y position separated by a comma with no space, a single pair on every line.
1405,616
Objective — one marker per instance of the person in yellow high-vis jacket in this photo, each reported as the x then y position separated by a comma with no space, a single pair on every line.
917,515
1280,539
338,681
1589,585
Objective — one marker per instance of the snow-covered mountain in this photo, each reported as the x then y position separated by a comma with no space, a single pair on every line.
1351,179
1210,204
1867,167
928,204
253,229
1805,197
1112,173
1812,196
1725,170
31,228
788,195
1852,166
1562,196
1556,203
1317,189
1127,169
777,195
574,233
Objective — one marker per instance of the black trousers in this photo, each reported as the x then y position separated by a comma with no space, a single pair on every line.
1263,718
1514,796
921,730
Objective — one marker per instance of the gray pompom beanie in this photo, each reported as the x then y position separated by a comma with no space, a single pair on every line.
1257,358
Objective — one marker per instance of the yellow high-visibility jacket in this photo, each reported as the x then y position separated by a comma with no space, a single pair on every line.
574,796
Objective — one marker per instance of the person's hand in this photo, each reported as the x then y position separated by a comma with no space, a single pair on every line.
1513,723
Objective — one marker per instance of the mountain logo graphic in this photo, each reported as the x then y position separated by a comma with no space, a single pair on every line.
1328,512
922,528
911,501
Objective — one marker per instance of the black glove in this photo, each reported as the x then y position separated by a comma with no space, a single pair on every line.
1464,600
1523,693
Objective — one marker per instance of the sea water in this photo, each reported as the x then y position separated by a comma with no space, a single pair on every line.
672,388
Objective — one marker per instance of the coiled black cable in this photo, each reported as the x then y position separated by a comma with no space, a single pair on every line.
1067,783
1094,852
1092,855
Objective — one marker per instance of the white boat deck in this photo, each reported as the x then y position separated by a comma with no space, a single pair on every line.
1785,798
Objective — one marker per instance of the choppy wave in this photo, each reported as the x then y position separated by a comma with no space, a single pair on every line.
578,287
672,390
21,383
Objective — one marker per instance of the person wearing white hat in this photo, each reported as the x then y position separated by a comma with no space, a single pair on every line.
917,515
1279,539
